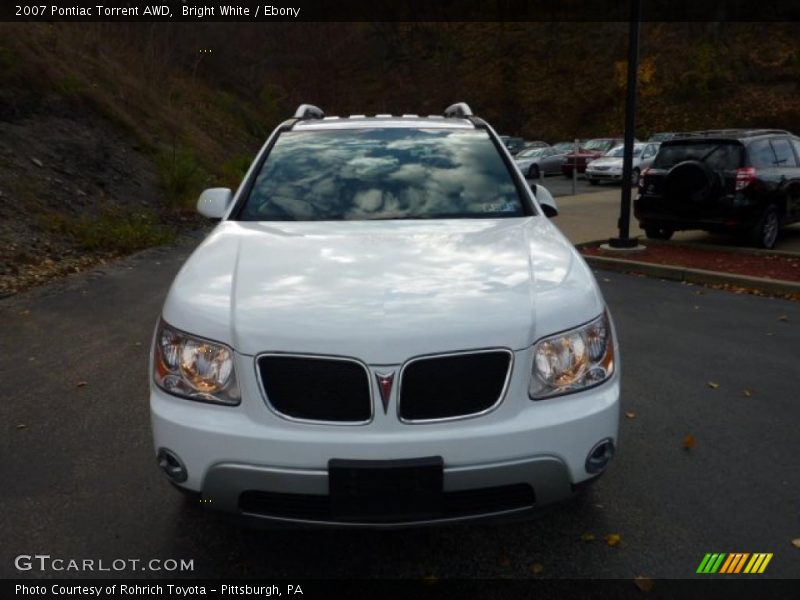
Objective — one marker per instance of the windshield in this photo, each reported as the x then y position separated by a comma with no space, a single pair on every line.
598,144
719,155
530,152
619,151
382,173
562,147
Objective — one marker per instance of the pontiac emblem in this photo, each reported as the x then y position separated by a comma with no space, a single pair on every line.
385,381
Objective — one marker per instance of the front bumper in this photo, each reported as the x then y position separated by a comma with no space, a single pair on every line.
603,175
229,452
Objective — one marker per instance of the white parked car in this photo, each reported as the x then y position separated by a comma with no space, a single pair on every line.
609,166
384,329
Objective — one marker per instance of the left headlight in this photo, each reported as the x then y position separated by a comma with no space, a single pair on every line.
194,368
573,360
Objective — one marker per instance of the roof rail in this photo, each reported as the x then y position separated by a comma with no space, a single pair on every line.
459,110
741,132
309,111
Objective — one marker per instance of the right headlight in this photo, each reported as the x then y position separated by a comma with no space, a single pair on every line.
193,367
573,360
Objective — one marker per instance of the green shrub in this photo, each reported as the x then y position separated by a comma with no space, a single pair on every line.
181,177
234,170
116,230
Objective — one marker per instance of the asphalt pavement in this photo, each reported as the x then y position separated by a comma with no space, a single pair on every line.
593,212
80,480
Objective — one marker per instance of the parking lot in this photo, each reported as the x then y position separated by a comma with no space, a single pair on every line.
592,215
696,362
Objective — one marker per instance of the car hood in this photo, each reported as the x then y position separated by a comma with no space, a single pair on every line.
606,161
382,291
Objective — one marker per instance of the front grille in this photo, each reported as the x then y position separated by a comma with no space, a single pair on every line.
317,388
458,385
317,507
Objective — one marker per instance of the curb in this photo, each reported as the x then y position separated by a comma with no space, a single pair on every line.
732,249
698,276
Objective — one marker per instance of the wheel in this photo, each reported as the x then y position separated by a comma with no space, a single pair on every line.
765,232
533,172
635,177
658,233
593,182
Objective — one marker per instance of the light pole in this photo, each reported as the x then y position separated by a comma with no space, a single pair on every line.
624,240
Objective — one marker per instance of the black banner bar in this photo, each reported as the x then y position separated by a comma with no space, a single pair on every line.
395,10
708,588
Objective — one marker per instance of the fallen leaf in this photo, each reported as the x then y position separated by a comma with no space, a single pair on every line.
536,568
613,539
630,415
688,442
22,426
643,583
24,313
748,393
82,384
796,542
587,537
713,385
783,318
430,579
137,344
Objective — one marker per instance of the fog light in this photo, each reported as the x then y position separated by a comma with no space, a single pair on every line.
600,456
174,468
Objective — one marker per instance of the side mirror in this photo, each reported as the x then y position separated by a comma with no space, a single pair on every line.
214,202
545,200
549,211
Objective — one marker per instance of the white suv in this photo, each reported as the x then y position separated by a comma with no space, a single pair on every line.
384,329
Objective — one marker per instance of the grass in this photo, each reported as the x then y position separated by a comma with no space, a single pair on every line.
114,230
181,177
233,171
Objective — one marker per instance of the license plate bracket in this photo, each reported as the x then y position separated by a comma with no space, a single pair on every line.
386,490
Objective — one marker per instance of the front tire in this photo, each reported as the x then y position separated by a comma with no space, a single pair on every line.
765,232
658,233
593,182
533,172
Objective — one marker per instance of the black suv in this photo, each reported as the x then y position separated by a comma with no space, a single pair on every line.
741,181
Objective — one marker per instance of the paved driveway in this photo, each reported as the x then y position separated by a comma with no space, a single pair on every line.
80,479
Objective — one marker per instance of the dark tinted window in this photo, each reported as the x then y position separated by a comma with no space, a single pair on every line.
796,144
784,157
761,154
717,155
382,173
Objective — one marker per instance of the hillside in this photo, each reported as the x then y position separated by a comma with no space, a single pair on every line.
108,131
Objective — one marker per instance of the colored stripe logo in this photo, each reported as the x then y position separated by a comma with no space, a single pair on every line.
734,563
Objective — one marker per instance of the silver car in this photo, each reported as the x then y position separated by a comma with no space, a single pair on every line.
609,166
540,161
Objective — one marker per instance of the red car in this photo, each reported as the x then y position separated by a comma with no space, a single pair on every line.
588,150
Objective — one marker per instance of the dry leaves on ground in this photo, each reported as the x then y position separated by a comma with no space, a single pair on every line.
82,384
796,542
643,583
630,414
748,392
536,568
713,385
587,537
688,442
613,539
